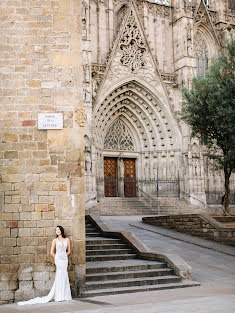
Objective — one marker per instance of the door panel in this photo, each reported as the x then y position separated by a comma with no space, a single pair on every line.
129,178
110,177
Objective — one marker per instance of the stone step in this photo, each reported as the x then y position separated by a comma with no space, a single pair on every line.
128,274
102,240
105,246
108,252
92,230
123,265
113,291
111,257
132,282
92,234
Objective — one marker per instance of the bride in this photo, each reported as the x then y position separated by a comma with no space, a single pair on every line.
60,290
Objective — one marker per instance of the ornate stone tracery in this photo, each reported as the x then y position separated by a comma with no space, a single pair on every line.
118,137
201,53
132,45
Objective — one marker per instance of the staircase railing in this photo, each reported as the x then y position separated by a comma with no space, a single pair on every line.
152,200
195,198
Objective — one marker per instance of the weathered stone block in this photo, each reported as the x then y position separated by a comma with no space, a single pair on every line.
7,295
27,269
25,285
41,250
34,84
27,207
14,232
36,216
47,177
27,241
48,215
12,170
41,285
46,199
10,137
45,223
42,207
22,294
24,232
44,162
11,155
44,276
25,216
9,242
27,249
7,199
36,232
25,276
30,123
4,232
26,258
15,199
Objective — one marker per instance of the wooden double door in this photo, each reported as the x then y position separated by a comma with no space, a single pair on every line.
113,180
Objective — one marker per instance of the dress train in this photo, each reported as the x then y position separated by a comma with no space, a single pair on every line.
60,290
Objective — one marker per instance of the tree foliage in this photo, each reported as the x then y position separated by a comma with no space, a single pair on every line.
209,109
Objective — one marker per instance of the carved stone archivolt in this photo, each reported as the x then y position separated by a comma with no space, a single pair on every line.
118,137
139,107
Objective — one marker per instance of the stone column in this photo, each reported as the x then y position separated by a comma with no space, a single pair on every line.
121,170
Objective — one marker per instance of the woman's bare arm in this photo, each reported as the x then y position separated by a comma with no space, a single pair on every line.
68,247
53,248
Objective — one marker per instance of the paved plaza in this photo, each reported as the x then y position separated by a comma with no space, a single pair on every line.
213,266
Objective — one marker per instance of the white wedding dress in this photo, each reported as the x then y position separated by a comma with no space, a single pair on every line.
60,290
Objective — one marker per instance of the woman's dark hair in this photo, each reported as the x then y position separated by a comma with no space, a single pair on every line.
62,231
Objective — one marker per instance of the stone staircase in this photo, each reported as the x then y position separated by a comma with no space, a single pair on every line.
113,267
144,206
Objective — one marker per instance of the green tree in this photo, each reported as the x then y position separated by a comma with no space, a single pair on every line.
209,109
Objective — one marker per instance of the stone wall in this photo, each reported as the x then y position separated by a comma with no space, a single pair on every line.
200,225
41,170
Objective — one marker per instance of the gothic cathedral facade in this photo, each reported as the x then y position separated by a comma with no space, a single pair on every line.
137,55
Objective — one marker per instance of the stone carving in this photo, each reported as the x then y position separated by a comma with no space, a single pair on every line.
97,73
84,20
118,137
132,45
86,73
80,116
170,78
230,18
140,8
213,16
120,16
207,16
189,39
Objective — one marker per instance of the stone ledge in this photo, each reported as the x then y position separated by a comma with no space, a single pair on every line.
201,225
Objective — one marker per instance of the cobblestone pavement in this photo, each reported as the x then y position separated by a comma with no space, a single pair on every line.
215,270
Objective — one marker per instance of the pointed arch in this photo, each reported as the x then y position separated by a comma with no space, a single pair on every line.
154,123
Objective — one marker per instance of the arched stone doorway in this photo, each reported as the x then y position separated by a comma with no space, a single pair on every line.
120,168
132,128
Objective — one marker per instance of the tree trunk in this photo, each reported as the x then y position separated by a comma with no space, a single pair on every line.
227,174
